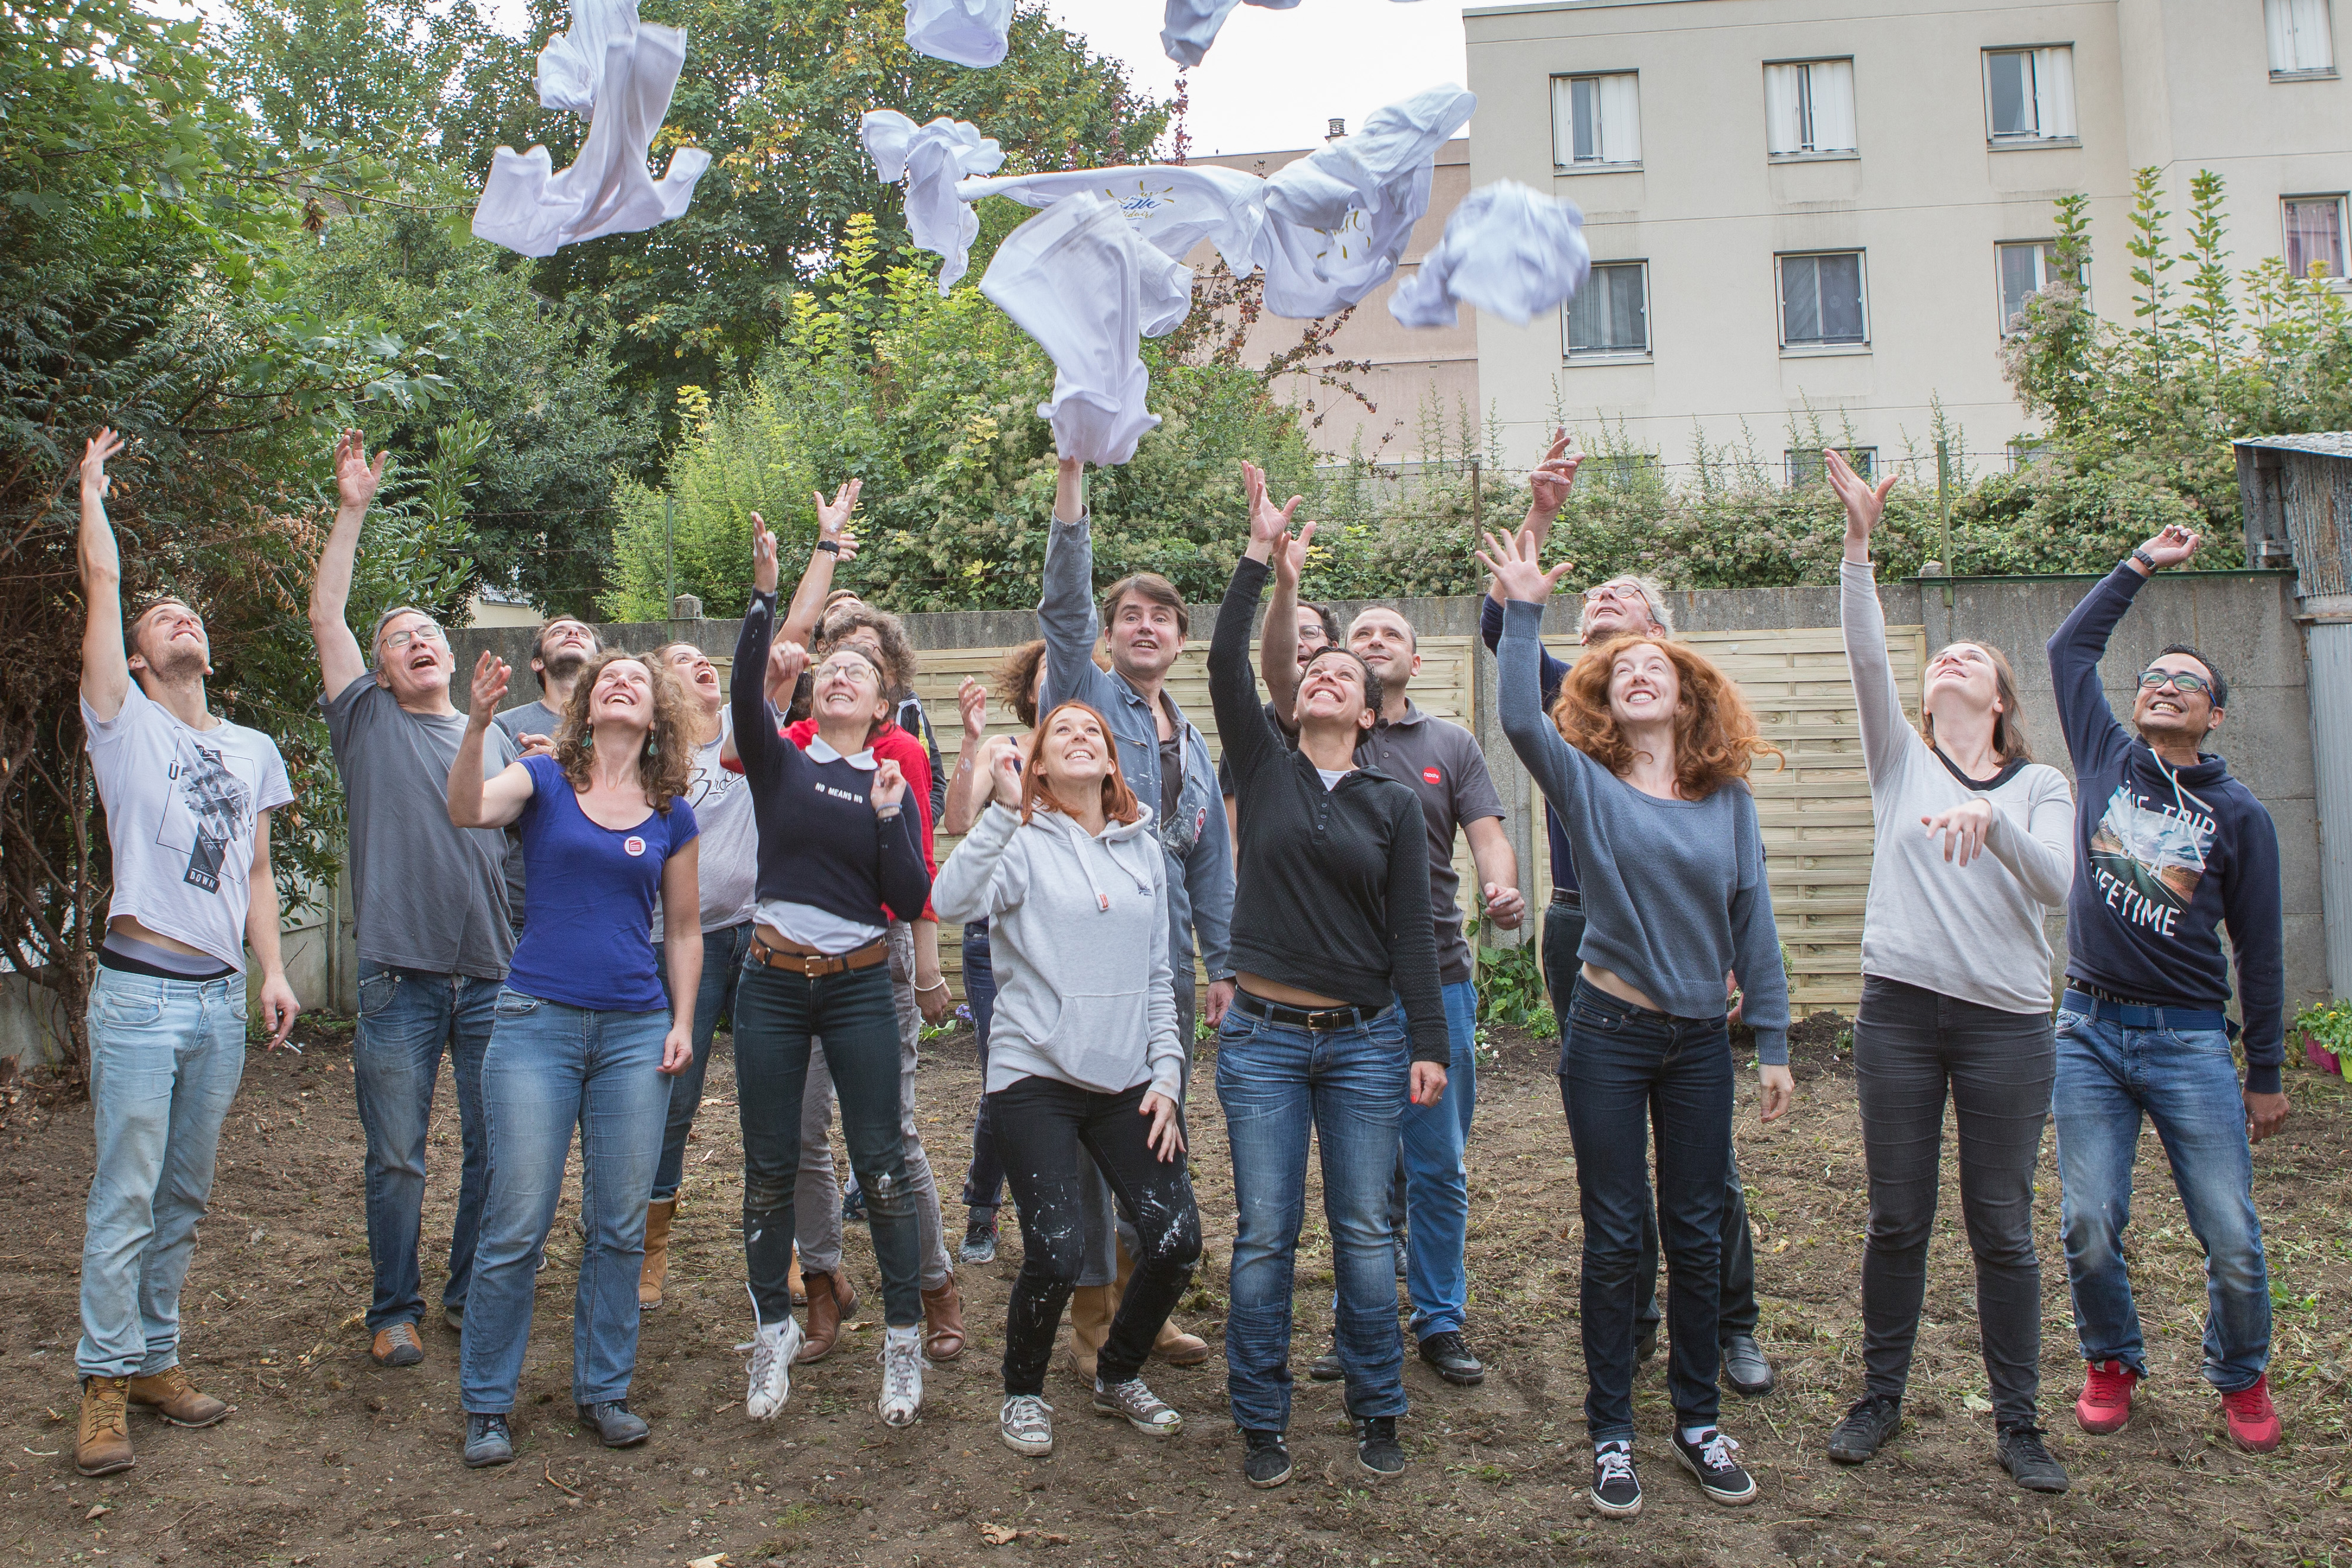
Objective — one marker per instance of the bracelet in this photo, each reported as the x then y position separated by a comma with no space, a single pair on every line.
830,547
2145,558
938,986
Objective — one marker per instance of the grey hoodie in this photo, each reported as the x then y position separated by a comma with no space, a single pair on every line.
1076,933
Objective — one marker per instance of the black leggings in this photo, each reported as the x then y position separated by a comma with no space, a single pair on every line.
1041,1124
1910,1046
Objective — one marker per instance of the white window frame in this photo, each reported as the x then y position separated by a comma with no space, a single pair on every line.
2041,248
2343,278
2057,117
1563,124
1812,347
2280,24
1576,356
1807,467
1812,127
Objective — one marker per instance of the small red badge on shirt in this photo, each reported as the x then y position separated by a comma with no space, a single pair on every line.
1432,776
634,845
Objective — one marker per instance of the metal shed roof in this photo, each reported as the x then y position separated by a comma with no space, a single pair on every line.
2328,443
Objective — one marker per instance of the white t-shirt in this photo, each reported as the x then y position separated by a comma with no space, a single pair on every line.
181,805
729,862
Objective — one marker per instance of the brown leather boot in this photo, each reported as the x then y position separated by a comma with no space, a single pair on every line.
657,1267
1172,1345
103,1445
1091,1309
943,1335
172,1395
793,1281
832,1301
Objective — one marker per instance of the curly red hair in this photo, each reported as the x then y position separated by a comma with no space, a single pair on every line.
1715,734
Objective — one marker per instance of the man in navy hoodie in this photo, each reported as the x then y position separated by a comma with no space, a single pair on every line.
2172,848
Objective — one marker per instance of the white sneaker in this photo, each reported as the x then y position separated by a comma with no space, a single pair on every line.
1027,1425
773,1347
902,1376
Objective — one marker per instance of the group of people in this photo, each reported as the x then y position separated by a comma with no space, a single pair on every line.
566,898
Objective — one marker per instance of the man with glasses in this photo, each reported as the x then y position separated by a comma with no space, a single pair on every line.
2173,850
1628,605
432,924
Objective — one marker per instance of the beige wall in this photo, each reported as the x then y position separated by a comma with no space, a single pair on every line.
2180,83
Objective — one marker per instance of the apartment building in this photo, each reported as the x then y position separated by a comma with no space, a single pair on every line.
1838,205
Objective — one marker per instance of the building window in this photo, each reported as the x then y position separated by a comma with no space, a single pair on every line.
1611,314
1596,120
1821,301
2314,235
1807,467
2030,94
1808,106
2025,269
2303,43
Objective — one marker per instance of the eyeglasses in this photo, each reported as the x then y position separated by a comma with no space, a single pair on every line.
1609,592
401,639
2187,682
857,670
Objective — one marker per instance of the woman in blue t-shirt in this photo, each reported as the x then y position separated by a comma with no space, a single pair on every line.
583,1032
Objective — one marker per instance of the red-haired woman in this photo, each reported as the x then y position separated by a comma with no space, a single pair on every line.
1646,760
1084,1052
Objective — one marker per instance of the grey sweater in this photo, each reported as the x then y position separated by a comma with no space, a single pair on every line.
1674,894
1078,934
1973,932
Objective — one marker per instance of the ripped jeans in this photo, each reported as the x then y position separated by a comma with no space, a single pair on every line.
1041,1126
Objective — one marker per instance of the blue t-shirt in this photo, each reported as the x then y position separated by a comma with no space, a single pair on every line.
584,939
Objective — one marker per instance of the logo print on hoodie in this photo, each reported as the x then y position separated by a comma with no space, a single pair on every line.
2147,859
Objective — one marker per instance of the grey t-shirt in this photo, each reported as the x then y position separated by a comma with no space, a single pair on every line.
531,719
728,862
1442,762
429,896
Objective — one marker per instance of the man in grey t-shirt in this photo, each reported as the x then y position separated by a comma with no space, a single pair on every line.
433,927
560,650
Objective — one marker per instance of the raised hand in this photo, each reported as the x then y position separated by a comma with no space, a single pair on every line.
763,556
1864,502
1516,571
1269,525
1290,558
490,676
889,788
832,517
1963,830
971,705
1000,761
355,477
2174,545
1549,483
94,482
786,659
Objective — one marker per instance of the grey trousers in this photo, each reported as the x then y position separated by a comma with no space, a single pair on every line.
816,1196
1096,1208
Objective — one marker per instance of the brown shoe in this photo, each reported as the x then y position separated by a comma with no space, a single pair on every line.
170,1395
832,1301
794,1282
1178,1348
396,1344
1091,1307
943,1335
103,1445
657,1267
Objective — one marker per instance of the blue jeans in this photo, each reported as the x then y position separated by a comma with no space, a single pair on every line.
1431,1141
164,1060
2108,1074
1278,1083
408,1018
1622,1069
984,1184
722,965
550,1068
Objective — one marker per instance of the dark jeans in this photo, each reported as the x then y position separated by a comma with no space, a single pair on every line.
1622,1069
1045,1123
1563,930
1910,1045
857,1017
984,1184
722,966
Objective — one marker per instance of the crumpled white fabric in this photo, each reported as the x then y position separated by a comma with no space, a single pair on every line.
1191,26
571,66
1510,251
931,158
534,211
968,32
1173,207
1079,279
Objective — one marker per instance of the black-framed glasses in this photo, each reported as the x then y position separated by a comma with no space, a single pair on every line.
2185,681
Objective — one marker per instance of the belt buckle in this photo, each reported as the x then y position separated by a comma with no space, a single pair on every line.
1329,1018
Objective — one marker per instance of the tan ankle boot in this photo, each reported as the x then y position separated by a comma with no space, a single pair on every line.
1172,1344
103,1445
943,1335
172,1395
832,1301
793,1282
656,1266
1091,1310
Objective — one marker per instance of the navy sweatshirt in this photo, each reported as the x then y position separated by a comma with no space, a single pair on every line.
820,841
2166,856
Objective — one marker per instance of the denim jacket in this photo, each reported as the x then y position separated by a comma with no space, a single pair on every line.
1194,837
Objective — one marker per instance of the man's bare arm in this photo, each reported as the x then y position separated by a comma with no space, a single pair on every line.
1499,870
279,1006
341,659
105,666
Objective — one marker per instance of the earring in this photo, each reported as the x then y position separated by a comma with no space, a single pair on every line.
651,748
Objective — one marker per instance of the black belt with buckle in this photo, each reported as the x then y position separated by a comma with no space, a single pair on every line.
1306,1018
1569,896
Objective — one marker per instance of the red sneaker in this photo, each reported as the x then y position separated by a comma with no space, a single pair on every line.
2254,1420
2105,1402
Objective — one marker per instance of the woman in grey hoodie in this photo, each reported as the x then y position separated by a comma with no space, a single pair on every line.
1082,1052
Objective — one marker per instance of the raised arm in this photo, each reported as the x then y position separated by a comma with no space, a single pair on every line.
1066,612
981,880
2093,736
754,731
476,801
1886,732
1278,638
968,790
835,545
1554,763
342,661
1548,484
105,666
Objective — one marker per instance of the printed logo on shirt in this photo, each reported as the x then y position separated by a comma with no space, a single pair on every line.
634,845
1432,776
2148,859
219,809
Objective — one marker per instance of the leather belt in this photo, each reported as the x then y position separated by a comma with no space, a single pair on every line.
795,959
2111,1009
1569,896
1306,1018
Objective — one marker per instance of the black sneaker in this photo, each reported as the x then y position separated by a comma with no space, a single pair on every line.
1719,1475
1328,1367
2024,1457
1616,1490
853,1206
979,1239
615,1423
1645,1341
488,1441
1266,1460
1865,1429
1377,1448
1452,1360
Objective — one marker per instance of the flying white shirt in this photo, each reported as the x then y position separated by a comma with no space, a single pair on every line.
931,158
1173,207
1508,250
967,31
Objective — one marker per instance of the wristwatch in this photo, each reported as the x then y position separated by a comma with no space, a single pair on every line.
2145,558
831,547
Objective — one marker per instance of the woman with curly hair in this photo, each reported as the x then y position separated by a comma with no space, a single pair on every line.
1646,760
582,1031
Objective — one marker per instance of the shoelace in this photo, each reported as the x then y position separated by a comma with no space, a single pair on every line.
1026,1410
2104,1387
901,1370
1717,1452
2249,1402
1616,1464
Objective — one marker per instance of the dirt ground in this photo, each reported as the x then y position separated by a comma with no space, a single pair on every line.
331,1462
